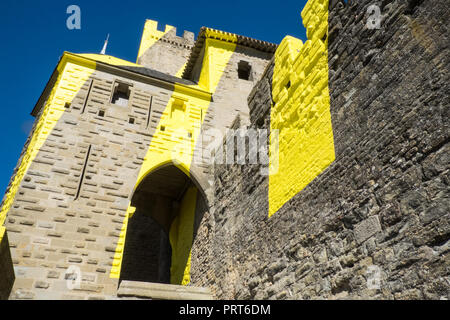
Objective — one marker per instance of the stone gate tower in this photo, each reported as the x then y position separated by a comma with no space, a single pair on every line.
106,188
354,204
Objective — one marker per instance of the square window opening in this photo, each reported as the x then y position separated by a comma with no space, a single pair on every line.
121,94
244,70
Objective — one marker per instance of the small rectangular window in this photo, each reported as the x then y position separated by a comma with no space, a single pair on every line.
131,120
121,94
244,70
178,109
101,113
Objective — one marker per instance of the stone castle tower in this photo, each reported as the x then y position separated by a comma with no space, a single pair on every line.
99,163
109,200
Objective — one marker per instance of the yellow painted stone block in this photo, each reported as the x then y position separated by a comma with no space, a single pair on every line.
301,112
181,238
2,233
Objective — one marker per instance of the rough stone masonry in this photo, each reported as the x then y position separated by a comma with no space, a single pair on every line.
99,121
374,224
380,213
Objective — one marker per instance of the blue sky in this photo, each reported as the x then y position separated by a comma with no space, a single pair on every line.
34,35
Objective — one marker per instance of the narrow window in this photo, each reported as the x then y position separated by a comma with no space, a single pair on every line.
149,111
67,105
244,70
87,97
121,94
131,120
80,184
163,128
101,113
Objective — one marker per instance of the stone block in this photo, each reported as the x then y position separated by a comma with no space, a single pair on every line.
367,228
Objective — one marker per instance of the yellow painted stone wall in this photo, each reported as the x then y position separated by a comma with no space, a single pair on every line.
71,77
74,71
301,110
2,233
217,55
173,142
180,125
181,238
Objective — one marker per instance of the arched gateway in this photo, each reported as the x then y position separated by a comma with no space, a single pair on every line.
169,207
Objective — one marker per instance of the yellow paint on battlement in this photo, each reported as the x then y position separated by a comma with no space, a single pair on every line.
301,110
179,74
151,35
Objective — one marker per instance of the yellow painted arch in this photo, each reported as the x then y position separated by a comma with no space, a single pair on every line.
215,60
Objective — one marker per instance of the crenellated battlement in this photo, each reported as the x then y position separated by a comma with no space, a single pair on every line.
169,34
157,45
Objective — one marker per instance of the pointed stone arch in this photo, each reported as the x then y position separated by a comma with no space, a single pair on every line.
170,203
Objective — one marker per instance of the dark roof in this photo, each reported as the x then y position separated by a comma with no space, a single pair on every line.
157,74
139,70
129,66
224,36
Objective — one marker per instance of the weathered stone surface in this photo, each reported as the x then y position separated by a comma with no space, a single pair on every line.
6,266
367,228
156,291
375,224
379,214
70,210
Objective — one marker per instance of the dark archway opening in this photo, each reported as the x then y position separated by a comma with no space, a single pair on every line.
159,199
